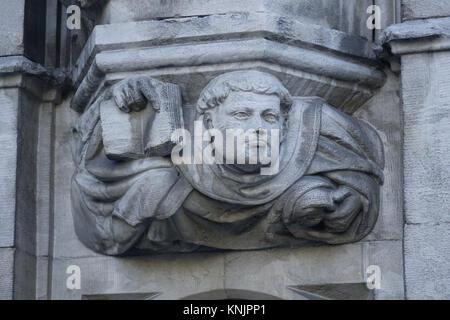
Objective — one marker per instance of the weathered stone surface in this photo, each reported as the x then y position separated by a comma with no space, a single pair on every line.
329,13
24,275
417,9
390,14
6,273
427,261
384,112
237,274
20,64
44,178
64,240
423,46
169,276
9,100
418,36
388,256
426,130
275,271
219,27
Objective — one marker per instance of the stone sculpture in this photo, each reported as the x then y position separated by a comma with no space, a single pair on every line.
128,195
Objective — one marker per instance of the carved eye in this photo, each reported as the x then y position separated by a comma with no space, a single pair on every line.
241,115
271,117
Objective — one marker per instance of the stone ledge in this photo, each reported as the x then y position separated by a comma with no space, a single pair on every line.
175,46
216,28
20,72
22,65
418,36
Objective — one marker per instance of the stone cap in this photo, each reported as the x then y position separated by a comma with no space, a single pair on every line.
418,36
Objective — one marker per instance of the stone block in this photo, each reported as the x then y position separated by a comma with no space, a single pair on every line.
162,276
333,14
12,15
388,256
427,261
383,112
9,100
65,242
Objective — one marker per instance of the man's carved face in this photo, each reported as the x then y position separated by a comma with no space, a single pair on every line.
249,111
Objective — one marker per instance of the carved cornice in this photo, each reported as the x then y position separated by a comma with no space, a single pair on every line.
333,58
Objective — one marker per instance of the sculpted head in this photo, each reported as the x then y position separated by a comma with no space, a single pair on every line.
246,100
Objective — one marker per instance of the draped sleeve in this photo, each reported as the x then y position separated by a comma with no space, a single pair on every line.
349,153
113,202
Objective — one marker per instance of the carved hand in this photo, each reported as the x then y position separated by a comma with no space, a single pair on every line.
349,204
132,94
336,208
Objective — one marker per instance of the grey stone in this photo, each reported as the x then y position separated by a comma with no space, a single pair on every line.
243,275
329,13
388,256
9,99
231,42
384,112
423,46
64,242
6,273
418,36
390,14
12,15
344,291
426,130
427,261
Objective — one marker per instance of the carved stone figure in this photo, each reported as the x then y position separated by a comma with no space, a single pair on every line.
128,195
